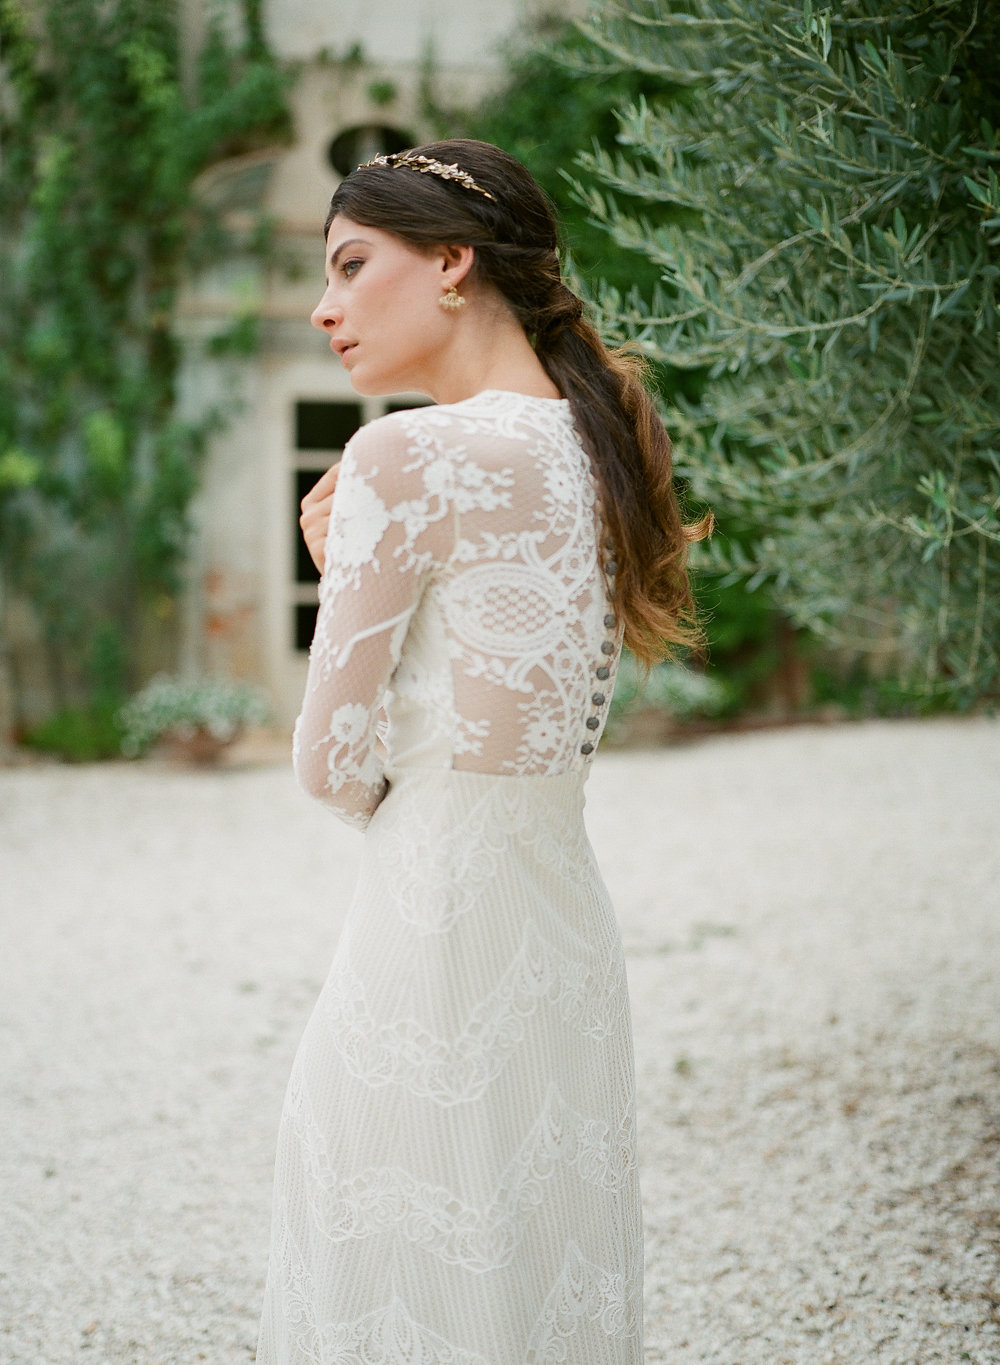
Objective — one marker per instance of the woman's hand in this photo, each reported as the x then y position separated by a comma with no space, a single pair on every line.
315,518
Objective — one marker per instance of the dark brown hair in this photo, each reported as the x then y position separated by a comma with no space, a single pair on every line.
515,239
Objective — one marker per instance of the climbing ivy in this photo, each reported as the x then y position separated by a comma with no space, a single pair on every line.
107,123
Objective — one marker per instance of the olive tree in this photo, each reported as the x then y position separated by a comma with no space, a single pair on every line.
823,211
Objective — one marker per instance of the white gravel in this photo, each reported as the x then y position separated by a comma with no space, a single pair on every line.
813,925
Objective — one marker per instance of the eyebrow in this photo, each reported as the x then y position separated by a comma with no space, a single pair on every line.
332,263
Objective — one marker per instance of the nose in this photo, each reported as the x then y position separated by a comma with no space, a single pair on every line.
326,316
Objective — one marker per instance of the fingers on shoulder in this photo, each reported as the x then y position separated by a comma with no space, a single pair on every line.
324,485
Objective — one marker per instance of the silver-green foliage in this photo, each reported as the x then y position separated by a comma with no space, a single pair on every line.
173,706
830,267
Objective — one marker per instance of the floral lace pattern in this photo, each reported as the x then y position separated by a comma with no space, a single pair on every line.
467,539
384,1336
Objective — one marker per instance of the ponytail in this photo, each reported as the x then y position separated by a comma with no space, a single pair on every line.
630,450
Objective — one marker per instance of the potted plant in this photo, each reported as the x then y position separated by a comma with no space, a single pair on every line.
195,719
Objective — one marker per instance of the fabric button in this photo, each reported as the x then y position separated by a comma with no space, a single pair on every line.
592,722
587,748
607,647
603,673
611,567
598,699
611,620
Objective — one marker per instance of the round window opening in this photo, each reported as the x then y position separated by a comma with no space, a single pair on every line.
356,145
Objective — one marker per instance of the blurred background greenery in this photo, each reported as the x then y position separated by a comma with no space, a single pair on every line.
792,209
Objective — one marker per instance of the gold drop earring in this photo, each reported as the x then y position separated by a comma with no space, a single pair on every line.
452,299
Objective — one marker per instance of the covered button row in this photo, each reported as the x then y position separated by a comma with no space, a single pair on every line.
598,699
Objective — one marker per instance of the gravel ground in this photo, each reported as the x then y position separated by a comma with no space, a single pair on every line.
813,924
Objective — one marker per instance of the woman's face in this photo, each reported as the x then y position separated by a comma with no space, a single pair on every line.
380,308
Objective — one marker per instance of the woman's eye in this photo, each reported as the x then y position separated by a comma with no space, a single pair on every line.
350,267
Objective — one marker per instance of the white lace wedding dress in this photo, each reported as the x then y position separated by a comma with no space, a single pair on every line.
456,1173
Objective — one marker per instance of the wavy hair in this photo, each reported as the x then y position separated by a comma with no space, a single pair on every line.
515,239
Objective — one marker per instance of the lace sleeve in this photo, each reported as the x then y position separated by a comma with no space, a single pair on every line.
390,525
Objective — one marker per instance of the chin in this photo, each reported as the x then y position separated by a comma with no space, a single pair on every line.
371,386
368,387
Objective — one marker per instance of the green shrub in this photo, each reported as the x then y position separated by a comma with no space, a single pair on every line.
79,734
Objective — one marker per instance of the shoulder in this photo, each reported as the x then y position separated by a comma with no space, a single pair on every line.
442,426
393,500
399,454
426,444
394,433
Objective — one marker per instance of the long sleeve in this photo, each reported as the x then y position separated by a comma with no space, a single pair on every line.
391,525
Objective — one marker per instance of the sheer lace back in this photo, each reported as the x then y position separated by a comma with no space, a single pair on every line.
463,592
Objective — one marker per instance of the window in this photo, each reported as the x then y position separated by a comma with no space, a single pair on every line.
361,142
322,429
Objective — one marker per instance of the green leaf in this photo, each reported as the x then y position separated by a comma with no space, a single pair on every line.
18,469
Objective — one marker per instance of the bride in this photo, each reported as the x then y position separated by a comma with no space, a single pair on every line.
456,1179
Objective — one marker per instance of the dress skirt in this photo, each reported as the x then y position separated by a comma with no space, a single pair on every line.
456,1178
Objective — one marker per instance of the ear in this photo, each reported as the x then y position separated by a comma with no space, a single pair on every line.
456,262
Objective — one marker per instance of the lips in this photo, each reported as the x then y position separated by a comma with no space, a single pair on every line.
341,347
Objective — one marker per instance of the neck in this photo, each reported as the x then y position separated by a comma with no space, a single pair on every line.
488,349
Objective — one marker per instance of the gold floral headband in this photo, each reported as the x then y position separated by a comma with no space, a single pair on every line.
414,161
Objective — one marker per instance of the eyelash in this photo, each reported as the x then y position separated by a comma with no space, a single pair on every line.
345,267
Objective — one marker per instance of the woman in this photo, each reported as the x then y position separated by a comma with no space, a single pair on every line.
456,1175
